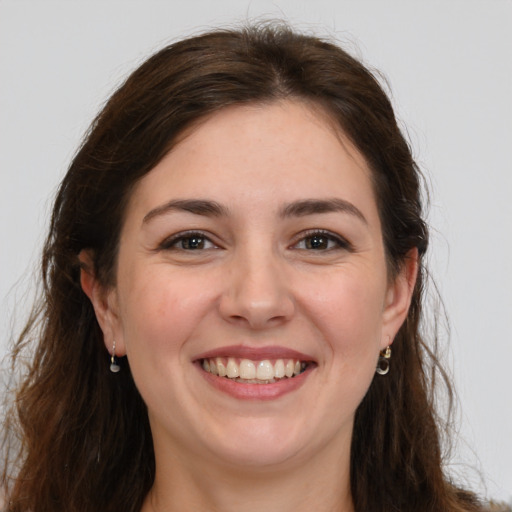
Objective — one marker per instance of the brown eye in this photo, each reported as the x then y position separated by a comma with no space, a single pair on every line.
321,241
187,242
317,242
192,242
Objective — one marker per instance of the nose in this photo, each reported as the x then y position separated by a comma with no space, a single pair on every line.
257,292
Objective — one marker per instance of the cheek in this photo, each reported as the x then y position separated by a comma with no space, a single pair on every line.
162,309
349,317
347,310
161,317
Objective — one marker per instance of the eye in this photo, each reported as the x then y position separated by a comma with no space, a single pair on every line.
320,240
189,241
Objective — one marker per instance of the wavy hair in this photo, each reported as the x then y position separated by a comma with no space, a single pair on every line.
85,441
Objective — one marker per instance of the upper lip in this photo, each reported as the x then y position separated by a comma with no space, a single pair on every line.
255,353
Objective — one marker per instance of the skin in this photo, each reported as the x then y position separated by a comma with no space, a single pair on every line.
256,282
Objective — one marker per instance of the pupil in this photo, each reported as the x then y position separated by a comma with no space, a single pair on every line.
317,242
193,242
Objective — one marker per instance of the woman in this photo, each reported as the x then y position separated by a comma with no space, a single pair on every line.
233,290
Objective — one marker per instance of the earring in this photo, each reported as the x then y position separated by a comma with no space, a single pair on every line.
383,362
114,364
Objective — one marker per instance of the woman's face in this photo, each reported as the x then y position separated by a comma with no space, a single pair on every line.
254,248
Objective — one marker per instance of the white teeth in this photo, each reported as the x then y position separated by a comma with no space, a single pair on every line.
221,369
250,372
232,369
279,369
264,370
290,367
247,369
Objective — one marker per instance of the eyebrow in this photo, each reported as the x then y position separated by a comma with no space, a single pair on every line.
300,208
196,206
306,207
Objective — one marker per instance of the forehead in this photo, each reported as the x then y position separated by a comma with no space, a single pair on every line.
267,153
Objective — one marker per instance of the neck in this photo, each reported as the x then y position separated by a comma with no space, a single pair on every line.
321,485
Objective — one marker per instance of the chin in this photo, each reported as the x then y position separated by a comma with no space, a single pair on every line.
262,444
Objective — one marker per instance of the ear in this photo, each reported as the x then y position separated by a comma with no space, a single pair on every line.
398,297
104,302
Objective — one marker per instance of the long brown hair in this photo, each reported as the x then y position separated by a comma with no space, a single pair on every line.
84,433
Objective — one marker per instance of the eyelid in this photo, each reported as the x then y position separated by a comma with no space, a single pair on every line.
169,242
172,240
342,242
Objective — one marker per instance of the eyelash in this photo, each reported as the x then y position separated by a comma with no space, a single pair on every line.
171,242
341,243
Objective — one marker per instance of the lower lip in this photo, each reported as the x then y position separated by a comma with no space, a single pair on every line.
244,391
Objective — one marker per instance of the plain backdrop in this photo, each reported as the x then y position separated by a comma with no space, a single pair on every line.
448,64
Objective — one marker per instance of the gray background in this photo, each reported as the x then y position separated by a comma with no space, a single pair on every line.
449,67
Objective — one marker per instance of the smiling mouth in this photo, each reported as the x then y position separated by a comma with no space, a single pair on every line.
247,371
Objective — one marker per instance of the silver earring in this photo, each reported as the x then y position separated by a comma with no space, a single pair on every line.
383,362
114,364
